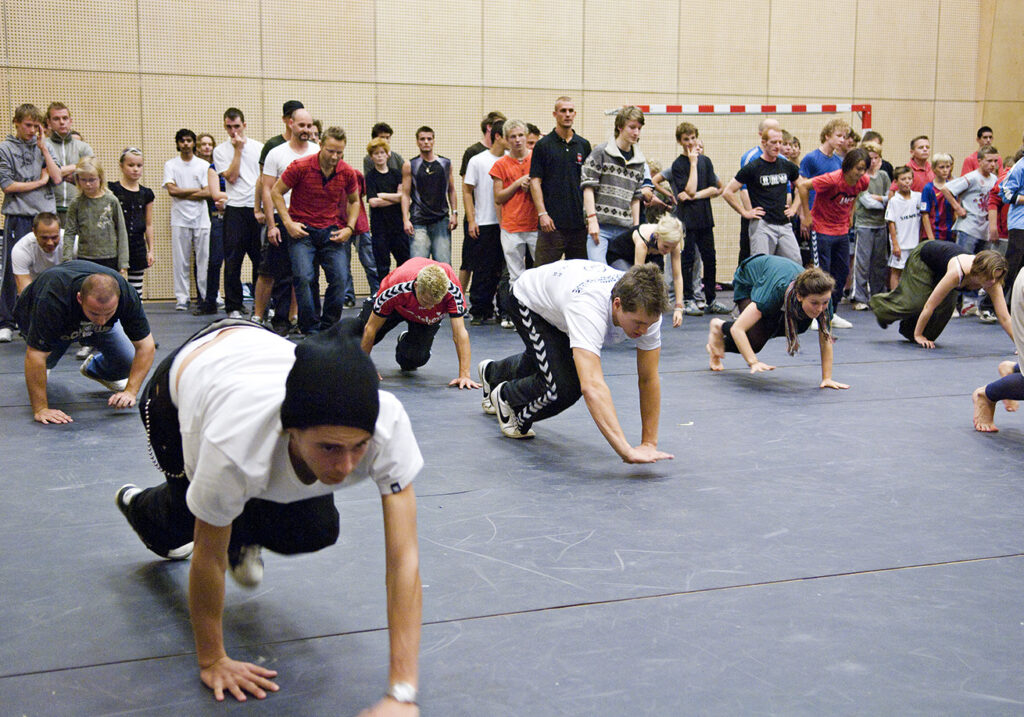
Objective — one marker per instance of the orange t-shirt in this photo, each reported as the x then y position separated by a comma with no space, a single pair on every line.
518,214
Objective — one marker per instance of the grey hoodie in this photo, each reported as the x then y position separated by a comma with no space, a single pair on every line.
23,162
66,150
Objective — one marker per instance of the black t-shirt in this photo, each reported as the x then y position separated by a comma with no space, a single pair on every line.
471,151
133,205
48,312
384,220
269,145
936,256
768,185
559,165
694,213
622,247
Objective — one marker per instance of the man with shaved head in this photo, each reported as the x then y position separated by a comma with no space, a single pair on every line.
85,302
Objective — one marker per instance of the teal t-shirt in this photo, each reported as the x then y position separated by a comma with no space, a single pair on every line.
763,279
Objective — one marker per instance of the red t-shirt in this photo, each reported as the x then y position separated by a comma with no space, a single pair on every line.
971,163
396,293
362,223
519,214
833,201
316,199
995,201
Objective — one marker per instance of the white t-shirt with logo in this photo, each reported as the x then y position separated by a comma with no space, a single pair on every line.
280,157
229,406
27,257
905,214
190,213
574,296
242,192
971,190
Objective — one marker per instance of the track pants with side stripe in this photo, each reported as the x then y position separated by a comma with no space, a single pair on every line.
542,381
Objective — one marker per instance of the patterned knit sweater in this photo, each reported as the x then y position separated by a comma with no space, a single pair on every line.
615,181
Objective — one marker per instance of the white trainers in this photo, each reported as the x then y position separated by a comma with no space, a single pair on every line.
860,306
481,370
247,566
507,417
506,323
838,322
115,386
124,496
987,317
6,336
83,353
969,309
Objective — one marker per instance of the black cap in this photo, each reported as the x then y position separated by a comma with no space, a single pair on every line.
332,382
290,106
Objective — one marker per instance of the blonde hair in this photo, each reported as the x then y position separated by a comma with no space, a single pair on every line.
941,158
873,147
378,143
432,281
669,229
89,167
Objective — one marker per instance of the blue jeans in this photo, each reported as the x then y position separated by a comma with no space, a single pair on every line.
606,233
433,241
307,252
364,245
113,359
834,257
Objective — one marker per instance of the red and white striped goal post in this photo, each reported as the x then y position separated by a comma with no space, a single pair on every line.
864,110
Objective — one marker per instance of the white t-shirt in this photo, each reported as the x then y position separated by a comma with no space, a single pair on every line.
229,406
28,258
574,296
478,176
906,215
971,190
242,192
280,157
191,213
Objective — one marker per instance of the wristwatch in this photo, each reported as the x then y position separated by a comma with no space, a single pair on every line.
402,692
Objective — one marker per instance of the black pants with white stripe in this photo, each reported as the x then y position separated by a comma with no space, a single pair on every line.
542,381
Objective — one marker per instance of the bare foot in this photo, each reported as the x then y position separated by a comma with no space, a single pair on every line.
984,412
715,345
1005,369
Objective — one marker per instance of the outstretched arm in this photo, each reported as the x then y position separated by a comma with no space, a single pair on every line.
461,338
206,604
602,409
941,290
825,344
749,316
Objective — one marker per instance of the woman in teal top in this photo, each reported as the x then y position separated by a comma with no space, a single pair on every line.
775,297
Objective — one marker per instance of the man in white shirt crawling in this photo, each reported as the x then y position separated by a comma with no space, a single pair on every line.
254,434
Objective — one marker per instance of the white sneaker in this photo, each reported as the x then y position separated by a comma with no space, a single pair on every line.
115,386
247,567
987,317
969,309
506,323
83,353
181,306
235,315
838,322
481,370
6,336
506,416
860,306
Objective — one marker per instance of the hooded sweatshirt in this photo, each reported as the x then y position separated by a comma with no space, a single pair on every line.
66,150
22,161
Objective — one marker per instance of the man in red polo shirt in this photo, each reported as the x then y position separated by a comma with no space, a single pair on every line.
920,151
317,233
419,292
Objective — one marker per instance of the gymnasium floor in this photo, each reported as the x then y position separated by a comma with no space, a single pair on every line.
806,553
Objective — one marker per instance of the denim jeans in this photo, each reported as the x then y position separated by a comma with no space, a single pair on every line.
113,359
305,254
433,241
364,245
606,233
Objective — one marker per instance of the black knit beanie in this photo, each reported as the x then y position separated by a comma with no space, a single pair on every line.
332,383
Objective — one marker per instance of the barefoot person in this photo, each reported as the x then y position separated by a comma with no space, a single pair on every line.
924,299
254,435
1010,387
776,297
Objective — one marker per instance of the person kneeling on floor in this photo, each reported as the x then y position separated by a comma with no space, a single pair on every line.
254,435
85,302
565,313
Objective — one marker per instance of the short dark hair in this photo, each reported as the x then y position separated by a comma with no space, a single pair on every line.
985,151
289,107
44,218
497,130
858,154
424,128
337,133
234,113
379,129
873,136
642,288
182,134
917,139
27,110
983,129
531,128
900,171
490,118
58,106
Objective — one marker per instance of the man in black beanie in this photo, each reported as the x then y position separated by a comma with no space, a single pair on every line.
254,435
